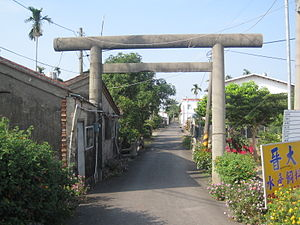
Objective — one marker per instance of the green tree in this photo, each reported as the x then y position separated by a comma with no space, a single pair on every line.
139,96
196,90
251,106
36,31
201,110
172,108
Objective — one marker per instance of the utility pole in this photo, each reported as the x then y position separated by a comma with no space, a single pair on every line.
80,54
288,52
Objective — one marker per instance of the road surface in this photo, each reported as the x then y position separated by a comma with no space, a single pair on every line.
162,187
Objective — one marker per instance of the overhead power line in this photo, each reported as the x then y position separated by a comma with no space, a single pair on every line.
52,22
258,55
45,64
263,16
282,40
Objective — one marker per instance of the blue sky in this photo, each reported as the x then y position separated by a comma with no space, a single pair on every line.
153,17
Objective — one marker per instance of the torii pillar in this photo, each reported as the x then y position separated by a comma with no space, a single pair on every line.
215,41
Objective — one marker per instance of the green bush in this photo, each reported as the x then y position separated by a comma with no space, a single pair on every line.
33,186
234,168
203,160
187,142
285,208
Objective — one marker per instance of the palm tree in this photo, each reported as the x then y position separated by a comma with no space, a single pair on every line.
36,31
196,89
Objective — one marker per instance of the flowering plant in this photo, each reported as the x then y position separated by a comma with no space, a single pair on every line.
246,202
218,191
238,145
77,187
285,207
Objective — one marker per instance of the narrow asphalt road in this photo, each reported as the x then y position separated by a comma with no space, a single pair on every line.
161,187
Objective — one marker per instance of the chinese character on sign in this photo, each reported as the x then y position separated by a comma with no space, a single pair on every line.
280,180
297,174
270,183
289,177
275,158
290,156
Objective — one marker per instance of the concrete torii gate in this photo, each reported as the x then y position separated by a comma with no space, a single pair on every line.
215,41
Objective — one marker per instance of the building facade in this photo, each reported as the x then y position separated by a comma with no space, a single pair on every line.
273,85
81,135
187,109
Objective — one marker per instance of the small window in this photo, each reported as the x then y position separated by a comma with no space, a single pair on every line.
189,106
89,137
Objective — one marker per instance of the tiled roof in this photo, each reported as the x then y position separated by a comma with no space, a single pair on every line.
32,73
108,96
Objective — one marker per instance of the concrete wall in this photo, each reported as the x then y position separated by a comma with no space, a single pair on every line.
80,86
31,100
109,150
88,119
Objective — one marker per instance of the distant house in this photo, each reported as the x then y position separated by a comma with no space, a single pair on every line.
165,116
274,86
187,109
62,116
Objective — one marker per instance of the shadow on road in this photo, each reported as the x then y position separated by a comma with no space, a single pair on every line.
154,169
104,214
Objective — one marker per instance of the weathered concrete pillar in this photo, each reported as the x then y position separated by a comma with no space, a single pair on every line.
95,82
218,107
297,72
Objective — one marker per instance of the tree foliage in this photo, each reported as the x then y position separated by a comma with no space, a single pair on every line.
34,189
37,20
172,108
247,105
196,89
139,95
201,110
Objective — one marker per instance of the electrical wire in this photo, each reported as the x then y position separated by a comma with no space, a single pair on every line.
281,40
45,64
263,16
258,55
61,26
192,38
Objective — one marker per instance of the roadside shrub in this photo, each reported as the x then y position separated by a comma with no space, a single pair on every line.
218,191
245,201
187,142
33,186
234,168
203,160
285,207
